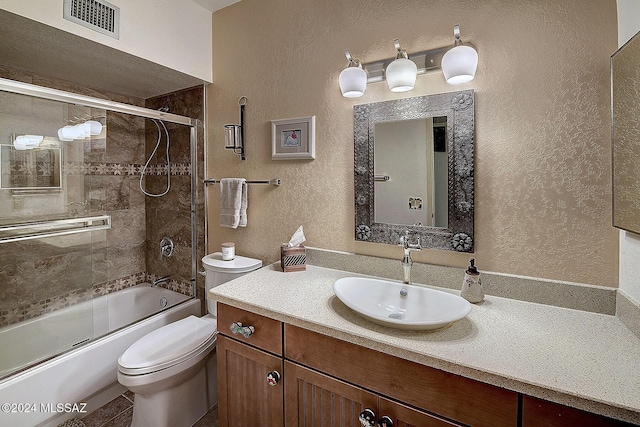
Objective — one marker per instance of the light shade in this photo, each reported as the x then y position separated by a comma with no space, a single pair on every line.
353,82
401,75
459,63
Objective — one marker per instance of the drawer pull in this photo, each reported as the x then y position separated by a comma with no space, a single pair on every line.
367,418
385,421
245,331
273,378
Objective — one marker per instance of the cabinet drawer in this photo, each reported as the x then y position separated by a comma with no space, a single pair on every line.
542,413
409,417
464,400
267,333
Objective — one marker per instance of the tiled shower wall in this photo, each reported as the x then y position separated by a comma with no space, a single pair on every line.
41,275
170,215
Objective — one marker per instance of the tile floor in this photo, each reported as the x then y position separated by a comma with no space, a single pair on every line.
119,411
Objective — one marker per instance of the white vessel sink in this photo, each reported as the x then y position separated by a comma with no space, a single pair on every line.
381,302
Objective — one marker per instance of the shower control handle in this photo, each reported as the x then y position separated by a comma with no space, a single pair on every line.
245,331
167,247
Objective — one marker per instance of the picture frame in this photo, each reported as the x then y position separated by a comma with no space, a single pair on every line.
293,139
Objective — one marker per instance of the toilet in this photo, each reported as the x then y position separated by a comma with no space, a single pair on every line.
172,370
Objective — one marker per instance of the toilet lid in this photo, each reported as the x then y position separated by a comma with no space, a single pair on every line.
168,345
239,264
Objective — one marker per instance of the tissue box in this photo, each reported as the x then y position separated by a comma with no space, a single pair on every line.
293,259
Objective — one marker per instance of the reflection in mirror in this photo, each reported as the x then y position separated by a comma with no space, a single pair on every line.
413,155
35,169
414,170
50,180
625,110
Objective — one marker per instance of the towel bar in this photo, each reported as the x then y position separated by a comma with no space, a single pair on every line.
33,230
275,181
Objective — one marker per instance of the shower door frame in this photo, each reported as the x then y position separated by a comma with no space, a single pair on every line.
21,88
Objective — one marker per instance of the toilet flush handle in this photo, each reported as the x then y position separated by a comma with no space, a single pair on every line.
245,331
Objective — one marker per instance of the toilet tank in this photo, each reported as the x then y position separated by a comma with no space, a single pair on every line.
219,271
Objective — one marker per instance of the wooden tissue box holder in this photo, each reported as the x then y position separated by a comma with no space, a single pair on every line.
293,259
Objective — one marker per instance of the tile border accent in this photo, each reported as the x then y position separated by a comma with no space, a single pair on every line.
592,298
173,285
33,309
128,169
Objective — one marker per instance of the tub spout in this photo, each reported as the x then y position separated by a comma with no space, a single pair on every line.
160,281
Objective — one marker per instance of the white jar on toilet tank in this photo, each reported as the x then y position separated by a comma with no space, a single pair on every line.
228,251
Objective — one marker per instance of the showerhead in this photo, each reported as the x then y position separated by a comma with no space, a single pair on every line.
164,109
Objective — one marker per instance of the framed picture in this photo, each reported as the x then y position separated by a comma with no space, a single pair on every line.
293,139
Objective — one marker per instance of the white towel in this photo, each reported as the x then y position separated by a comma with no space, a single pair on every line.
233,202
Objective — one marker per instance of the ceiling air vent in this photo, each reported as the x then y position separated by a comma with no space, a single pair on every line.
97,15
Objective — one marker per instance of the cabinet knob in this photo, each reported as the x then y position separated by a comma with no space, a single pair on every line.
385,421
245,331
367,418
273,378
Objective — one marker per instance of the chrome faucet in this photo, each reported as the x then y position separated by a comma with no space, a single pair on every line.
407,262
160,281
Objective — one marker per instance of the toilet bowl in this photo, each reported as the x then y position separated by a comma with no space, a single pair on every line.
172,370
167,369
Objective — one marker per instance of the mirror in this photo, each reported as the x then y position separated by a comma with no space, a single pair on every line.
625,111
35,169
410,172
414,170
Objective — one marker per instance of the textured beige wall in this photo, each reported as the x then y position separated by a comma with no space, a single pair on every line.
543,195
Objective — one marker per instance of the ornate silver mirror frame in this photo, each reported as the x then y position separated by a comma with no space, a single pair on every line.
458,107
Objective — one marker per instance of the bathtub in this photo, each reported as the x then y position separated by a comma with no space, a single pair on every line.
84,377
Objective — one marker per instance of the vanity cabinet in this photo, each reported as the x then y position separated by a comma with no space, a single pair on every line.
284,375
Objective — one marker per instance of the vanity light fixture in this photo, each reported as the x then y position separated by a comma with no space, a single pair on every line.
234,134
402,72
80,131
27,142
459,64
353,79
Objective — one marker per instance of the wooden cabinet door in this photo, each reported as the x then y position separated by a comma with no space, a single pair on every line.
404,416
316,400
244,396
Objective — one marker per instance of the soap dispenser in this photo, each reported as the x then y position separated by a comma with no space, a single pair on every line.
472,286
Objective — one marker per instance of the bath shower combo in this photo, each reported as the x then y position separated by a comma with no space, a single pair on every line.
85,339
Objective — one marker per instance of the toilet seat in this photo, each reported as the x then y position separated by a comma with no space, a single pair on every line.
169,345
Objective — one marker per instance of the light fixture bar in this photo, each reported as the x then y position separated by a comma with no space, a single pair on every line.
427,61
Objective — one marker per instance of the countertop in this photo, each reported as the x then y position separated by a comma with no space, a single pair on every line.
581,359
